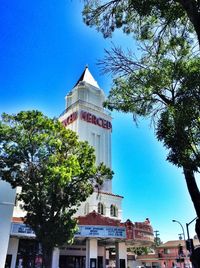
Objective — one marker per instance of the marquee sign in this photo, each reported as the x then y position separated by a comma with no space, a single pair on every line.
20,229
89,118
101,231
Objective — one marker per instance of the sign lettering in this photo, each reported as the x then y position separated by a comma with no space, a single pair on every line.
87,117
90,118
20,229
101,231
70,119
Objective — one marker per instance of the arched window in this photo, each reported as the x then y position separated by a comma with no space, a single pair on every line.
86,209
113,211
101,209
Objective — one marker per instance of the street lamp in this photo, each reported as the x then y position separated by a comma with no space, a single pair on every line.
189,243
181,227
183,235
187,227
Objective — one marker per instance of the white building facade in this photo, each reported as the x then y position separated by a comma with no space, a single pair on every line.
85,115
102,238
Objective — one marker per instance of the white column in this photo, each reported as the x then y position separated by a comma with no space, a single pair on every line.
106,257
13,249
121,254
91,253
7,199
55,258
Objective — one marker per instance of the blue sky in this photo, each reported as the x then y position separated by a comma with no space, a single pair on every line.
44,48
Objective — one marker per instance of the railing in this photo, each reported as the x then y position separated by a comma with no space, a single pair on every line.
85,103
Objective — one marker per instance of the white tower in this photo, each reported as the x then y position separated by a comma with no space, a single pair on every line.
86,116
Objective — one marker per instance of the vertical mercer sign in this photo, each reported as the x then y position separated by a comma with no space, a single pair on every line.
88,117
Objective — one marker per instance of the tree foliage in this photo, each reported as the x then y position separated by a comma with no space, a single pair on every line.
163,80
166,89
157,242
55,171
140,250
146,19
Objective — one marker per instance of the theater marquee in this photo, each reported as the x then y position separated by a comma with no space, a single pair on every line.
21,229
101,231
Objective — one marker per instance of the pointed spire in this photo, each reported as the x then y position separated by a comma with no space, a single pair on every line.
88,78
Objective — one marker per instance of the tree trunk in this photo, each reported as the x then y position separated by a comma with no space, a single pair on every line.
195,196
192,188
47,257
192,9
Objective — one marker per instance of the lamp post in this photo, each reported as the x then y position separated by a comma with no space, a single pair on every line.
187,227
183,234
181,227
190,245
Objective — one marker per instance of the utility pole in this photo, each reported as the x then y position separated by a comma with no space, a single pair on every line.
156,237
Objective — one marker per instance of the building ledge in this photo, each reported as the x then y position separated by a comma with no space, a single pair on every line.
107,193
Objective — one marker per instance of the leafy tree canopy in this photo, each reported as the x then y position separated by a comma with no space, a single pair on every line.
162,82
164,87
145,18
55,171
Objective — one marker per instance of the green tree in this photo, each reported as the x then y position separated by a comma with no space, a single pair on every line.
140,250
55,171
162,82
165,88
157,242
144,18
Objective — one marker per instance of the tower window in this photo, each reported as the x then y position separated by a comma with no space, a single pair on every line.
101,208
113,211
